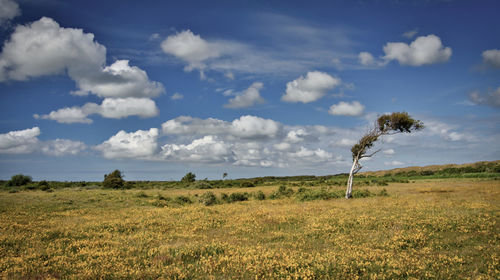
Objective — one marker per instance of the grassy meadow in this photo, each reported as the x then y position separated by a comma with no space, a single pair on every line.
423,229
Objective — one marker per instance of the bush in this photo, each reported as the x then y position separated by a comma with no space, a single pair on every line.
182,199
238,197
188,178
383,192
282,191
247,184
224,197
208,199
203,185
260,195
113,180
19,180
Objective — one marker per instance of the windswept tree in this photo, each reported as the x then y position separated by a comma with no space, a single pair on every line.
389,124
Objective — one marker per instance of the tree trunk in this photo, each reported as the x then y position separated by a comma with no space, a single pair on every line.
348,192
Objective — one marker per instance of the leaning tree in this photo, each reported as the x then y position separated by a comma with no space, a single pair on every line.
389,124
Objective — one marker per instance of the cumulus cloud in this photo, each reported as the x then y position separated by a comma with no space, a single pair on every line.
44,48
119,80
142,144
63,147
8,10
347,109
206,149
491,98
492,58
344,142
19,141
424,50
114,108
388,152
393,163
191,48
247,98
66,115
310,88
177,96
26,141
246,127
366,58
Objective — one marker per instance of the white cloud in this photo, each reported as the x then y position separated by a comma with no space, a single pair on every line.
177,96
246,127
424,50
317,155
190,48
66,115
63,147
142,144
247,98
491,98
114,108
389,152
310,88
344,142
347,109
8,10
19,141
410,34
252,127
44,48
119,80
394,163
117,108
26,141
208,149
366,58
492,58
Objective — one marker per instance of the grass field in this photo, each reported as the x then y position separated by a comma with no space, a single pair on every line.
428,229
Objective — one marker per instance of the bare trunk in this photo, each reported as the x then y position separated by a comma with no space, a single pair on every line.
348,192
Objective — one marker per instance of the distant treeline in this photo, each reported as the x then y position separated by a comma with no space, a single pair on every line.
478,170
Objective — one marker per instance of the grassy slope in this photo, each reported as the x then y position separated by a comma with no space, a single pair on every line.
429,229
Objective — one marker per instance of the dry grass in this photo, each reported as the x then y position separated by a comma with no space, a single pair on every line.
446,229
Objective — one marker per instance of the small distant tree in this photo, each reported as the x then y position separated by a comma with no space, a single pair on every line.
389,124
113,180
224,175
19,180
188,178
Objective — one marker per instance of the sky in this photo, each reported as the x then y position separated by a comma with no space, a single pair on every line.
157,89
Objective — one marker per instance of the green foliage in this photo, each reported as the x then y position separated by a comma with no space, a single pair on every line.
113,180
260,195
247,184
237,196
188,178
182,199
19,180
202,185
398,122
282,191
208,199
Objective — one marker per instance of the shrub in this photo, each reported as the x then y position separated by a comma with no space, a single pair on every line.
208,199
247,184
188,178
19,180
260,195
238,197
224,197
182,199
282,191
203,185
113,180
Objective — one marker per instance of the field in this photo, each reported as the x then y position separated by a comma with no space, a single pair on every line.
424,229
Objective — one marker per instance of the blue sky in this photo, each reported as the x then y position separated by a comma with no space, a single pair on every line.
252,88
